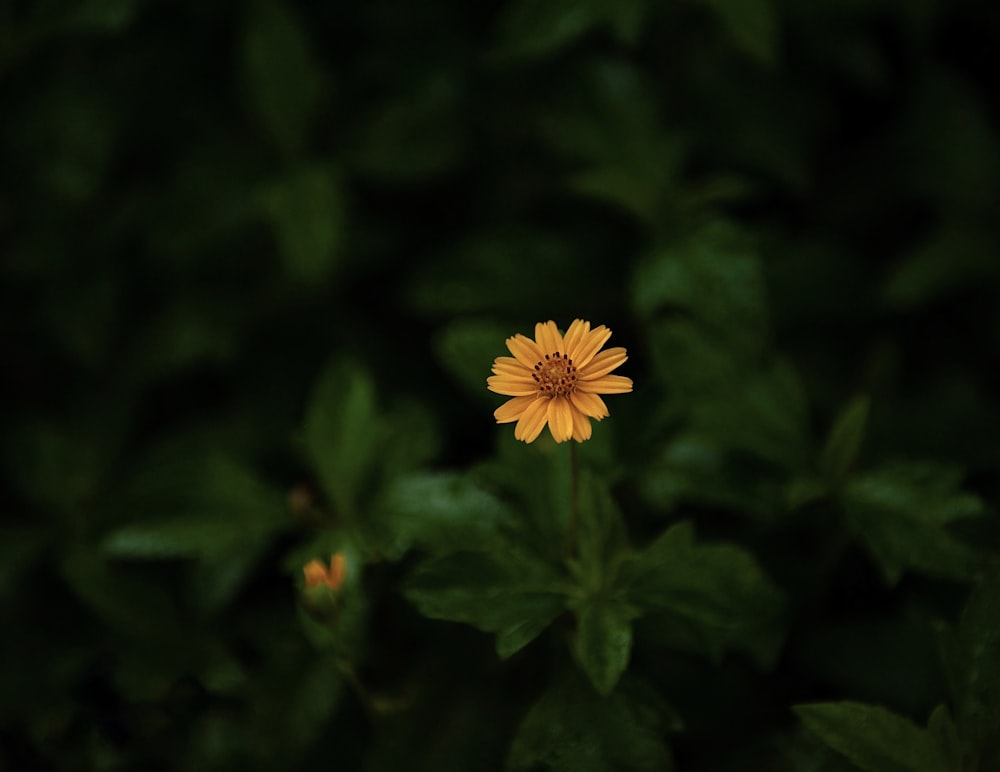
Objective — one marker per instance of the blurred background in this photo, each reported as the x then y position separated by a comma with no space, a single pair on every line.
257,258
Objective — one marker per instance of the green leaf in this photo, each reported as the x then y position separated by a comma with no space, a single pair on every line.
694,470
417,133
127,601
341,433
763,415
215,583
282,77
715,279
303,693
972,662
176,538
620,187
536,29
608,124
190,332
536,480
752,25
692,361
608,119
423,438
941,725
467,348
603,641
958,258
892,658
313,702
716,596
204,506
480,277
532,30
516,635
844,440
901,513
601,538
712,191
441,513
505,592
874,738
111,16
572,729
306,213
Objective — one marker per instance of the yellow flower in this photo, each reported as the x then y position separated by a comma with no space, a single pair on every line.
556,380
317,573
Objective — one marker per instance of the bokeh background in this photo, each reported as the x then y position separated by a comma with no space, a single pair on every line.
256,261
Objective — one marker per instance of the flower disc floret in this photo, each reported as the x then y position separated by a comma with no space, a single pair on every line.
555,375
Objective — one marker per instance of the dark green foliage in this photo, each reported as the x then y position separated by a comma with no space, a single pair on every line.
901,513
972,661
572,728
512,596
876,739
844,441
710,598
256,261
283,80
342,433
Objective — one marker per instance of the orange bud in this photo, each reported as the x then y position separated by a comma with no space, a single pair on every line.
317,573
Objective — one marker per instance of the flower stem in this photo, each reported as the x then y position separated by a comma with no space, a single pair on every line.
364,696
574,507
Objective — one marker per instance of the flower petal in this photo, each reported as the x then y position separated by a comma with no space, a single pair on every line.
581,426
576,333
519,372
560,419
521,378
525,350
512,409
512,387
510,365
532,421
602,364
589,404
590,345
607,384
548,337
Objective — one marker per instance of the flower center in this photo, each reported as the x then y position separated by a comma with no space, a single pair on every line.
555,375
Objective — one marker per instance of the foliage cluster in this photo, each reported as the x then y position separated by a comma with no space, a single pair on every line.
256,261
